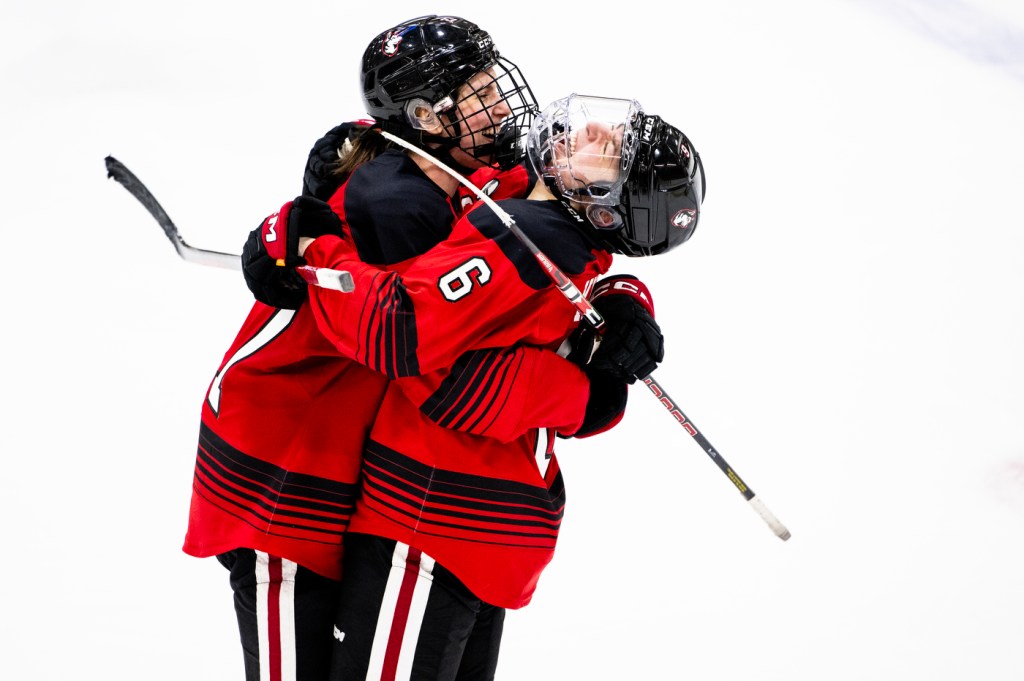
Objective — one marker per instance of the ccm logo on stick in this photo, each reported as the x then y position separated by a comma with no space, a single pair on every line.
670,405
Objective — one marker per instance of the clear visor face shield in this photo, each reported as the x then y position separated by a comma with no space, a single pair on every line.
488,115
584,147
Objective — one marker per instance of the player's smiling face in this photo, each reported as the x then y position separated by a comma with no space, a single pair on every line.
480,109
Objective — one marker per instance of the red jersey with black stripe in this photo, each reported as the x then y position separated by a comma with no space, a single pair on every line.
443,470
286,416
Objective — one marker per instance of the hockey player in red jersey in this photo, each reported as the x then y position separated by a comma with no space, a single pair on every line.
286,415
459,508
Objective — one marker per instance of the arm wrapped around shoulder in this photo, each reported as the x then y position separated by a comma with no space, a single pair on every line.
270,253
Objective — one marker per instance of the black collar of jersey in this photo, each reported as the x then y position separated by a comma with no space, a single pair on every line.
582,225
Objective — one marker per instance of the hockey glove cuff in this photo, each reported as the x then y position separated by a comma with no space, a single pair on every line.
271,285
305,216
632,345
606,404
271,251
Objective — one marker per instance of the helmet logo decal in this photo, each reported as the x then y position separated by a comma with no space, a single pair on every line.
684,218
391,43
648,129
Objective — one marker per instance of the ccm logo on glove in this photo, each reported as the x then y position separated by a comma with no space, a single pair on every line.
628,285
271,233
277,248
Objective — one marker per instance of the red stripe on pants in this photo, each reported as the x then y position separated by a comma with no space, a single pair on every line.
401,618
274,618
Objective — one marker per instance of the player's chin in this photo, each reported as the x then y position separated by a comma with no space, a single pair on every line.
471,160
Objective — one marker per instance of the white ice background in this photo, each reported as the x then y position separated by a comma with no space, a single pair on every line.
846,327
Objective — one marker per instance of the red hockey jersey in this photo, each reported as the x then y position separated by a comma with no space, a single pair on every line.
286,415
485,501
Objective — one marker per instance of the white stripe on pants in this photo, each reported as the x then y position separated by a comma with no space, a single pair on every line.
275,616
401,614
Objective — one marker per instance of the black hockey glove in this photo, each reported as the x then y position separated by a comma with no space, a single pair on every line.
319,179
271,251
630,348
632,344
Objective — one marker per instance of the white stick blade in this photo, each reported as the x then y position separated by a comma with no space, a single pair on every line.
228,261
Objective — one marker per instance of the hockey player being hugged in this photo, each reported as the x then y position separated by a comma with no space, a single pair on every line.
461,496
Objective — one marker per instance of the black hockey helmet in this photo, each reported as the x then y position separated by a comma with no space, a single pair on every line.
423,62
660,203
651,204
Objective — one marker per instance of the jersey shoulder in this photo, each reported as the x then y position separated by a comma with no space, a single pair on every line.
548,225
394,212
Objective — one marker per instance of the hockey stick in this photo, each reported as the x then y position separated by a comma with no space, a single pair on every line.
574,296
318,276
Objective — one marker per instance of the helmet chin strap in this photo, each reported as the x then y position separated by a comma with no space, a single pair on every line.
503,148
446,155
444,151
583,221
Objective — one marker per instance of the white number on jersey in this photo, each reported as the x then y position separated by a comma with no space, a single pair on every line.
460,281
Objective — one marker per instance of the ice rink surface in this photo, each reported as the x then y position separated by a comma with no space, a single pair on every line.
845,327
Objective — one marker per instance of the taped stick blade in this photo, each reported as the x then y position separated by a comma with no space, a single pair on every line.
337,280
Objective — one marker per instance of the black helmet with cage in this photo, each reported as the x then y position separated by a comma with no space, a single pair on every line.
419,72
660,203
640,188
